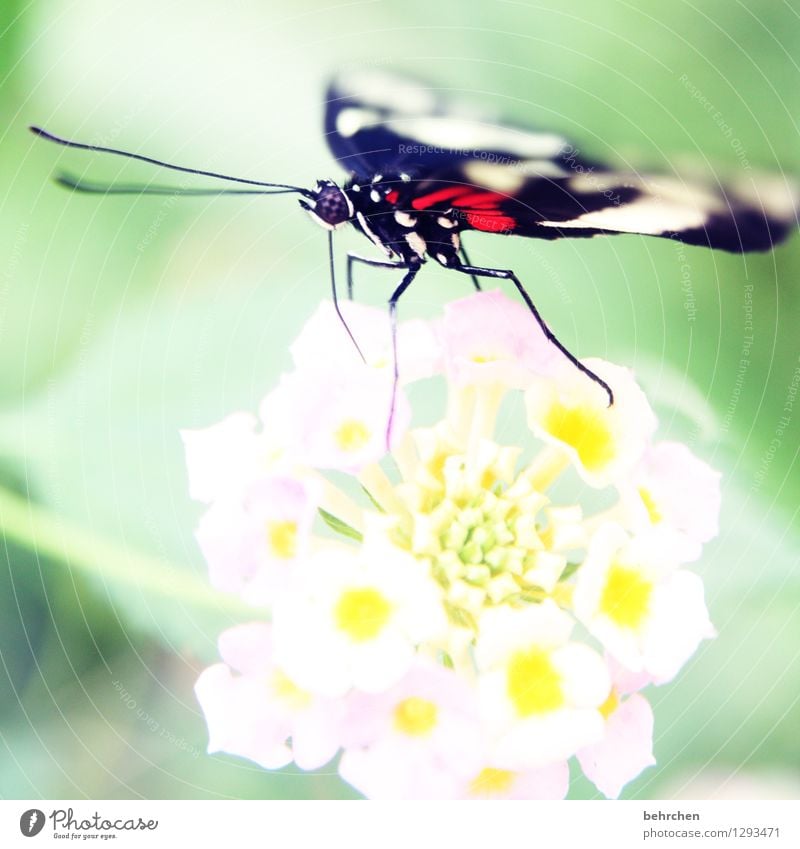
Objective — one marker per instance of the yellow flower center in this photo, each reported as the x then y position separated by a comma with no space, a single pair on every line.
362,613
436,466
586,430
626,596
282,539
609,705
287,691
415,716
483,529
486,357
533,683
491,782
351,435
650,505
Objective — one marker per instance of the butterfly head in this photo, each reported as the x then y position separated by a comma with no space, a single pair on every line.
328,205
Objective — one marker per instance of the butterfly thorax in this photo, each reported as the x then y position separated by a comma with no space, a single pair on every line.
386,215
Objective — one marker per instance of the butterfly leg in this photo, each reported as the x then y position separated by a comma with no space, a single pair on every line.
411,273
407,280
375,263
551,337
475,282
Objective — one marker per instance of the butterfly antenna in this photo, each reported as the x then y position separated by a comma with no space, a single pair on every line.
76,184
42,133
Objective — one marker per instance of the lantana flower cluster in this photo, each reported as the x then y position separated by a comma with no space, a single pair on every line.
441,614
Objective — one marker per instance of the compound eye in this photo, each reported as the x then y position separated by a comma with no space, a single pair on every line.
333,206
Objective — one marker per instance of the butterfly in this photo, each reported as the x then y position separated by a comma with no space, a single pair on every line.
423,173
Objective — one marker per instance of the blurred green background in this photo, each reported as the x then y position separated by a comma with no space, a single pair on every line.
123,320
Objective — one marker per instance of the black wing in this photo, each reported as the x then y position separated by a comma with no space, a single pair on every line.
504,179
379,123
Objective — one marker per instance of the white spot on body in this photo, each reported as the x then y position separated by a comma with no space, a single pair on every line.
405,178
455,239
405,219
371,234
447,223
374,196
417,244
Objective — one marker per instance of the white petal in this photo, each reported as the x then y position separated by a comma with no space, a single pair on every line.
679,623
585,678
625,750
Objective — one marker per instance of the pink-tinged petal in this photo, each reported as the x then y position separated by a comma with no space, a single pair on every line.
548,783
252,708
693,488
369,716
489,338
324,341
339,420
624,680
228,545
252,543
221,459
247,648
316,734
239,720
676,495
625,750
388,756
391,770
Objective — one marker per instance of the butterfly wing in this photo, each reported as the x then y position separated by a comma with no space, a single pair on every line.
498,178
379,123
752,215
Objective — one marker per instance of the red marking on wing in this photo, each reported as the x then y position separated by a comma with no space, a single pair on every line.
490,221
479,200
427,201
393,196
480,208
482,211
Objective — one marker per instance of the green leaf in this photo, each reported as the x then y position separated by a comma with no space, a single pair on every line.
569,570
174,597
371,497
340,526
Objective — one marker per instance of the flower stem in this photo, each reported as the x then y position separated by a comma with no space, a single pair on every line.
40,530
484,414
460,406
547,466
